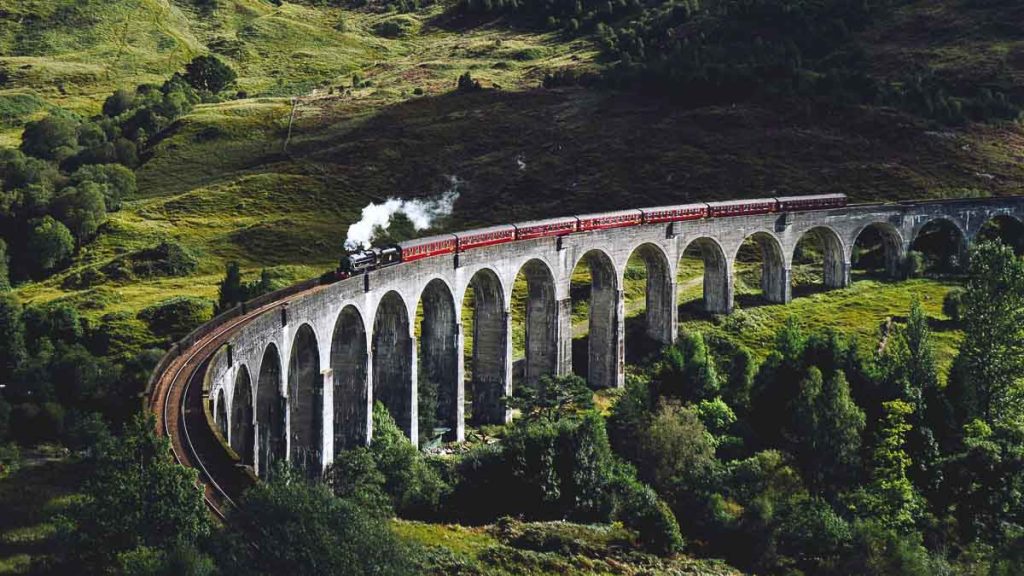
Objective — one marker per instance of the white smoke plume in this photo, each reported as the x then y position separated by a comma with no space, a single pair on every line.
423,212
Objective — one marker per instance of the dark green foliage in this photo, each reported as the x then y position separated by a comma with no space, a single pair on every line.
12,336
118,103
688,371
354,475
812,535
58,322
82,209
739,50
176,317
639,508
117,182
414,486
915,264
877,550
823,430
50,244
54,137
984,481
289,526
891,497
209,73
136,496
991,360
5,421
562,468
5,278
553,397
167,258
182,558
393,28
908,371
234,291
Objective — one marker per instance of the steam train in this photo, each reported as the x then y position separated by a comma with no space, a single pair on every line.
360,261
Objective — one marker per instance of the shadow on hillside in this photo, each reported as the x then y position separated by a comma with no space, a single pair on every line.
540,152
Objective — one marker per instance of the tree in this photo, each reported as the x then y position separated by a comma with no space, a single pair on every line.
987,371
137,496
117,182
50,138
687,371
230,291
679,458
5,278
209,73
12,336
824,430
118,103
895,502
82,209
5,418
553,397
289,526
909,371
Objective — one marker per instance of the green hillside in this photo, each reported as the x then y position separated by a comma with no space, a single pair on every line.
569,107
231,179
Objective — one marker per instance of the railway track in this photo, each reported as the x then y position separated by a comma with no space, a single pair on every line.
176,400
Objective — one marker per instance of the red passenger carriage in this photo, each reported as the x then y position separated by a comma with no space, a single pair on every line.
674,213
485,237
542,228
608,220
812,202
741,207
427,247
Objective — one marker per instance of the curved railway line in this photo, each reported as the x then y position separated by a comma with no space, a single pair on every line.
175,397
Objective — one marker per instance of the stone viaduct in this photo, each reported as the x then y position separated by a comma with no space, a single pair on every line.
298,382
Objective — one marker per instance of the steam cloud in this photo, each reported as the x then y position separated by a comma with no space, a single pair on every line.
421,211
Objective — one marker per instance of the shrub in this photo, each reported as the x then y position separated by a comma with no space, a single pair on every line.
639,508
82,209
165,259
394,28
414,486
50,244
176,317
561,468
354,475
289,526
116,182
51,138
209,73
137,496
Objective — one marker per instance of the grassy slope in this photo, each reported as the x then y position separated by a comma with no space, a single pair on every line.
600,552
233,182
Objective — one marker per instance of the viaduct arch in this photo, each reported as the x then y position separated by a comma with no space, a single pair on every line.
304,370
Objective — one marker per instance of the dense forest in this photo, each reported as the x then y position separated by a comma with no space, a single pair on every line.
163,160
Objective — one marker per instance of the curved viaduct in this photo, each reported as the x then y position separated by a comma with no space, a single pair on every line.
293,376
